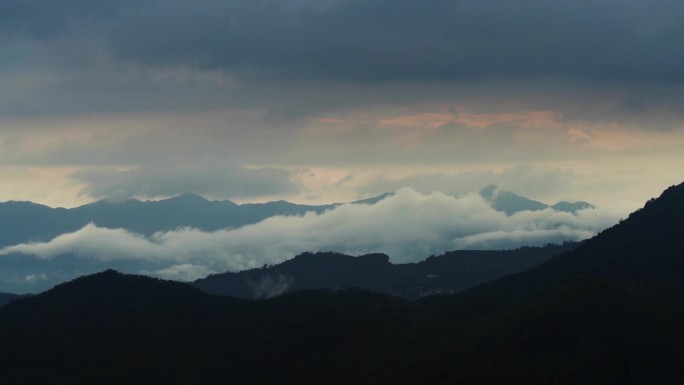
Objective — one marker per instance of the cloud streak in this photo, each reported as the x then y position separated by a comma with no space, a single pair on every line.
408,226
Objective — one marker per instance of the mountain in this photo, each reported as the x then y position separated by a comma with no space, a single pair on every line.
5,298
28,222
113,328
642,253
572,207
24,222
607,312
373,200
510,203
449,273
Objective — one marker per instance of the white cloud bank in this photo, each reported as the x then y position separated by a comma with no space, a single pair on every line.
408,226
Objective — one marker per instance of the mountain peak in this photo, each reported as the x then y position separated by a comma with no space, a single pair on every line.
373,200
489,191
508,202
118,289
511,203
188,197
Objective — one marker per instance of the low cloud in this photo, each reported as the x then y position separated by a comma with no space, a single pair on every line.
408,226
156,180
33,278
268,286
183,272
537,182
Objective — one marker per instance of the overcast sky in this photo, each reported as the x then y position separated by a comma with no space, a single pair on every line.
329,100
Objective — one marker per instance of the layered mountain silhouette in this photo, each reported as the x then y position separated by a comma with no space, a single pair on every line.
644,253
448,273
29,222
607,312
511,203
24,222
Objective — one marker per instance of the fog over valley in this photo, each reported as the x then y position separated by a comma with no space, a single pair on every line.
407,225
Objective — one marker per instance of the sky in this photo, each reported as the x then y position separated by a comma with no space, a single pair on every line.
335,100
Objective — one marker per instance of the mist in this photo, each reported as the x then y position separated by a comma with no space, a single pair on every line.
408,226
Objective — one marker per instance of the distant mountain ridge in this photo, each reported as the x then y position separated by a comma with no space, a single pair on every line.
448,273
511,203
29,222
25,222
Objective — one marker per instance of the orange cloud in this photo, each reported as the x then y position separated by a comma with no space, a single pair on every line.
578,135
525,118
425,119
439,119
330,120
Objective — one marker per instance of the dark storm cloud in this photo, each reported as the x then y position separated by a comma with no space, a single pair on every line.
376,40
45,19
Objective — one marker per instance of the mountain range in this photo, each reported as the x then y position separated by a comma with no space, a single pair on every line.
511,203
448,273
607,312
29,222
162,238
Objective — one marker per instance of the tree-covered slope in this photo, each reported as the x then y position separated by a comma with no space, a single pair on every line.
448,273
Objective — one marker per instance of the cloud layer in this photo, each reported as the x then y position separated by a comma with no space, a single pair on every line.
408,226
295,57
599,40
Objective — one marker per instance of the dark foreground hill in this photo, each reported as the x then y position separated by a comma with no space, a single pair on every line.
644,253
111,329
5,298
448,273
605,313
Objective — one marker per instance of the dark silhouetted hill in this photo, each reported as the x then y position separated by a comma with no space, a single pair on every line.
449,273
115,328
643,253
5,298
